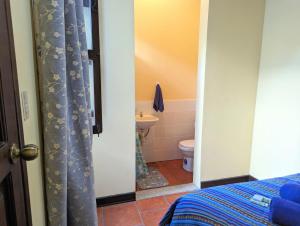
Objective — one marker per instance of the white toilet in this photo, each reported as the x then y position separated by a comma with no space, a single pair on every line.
187,149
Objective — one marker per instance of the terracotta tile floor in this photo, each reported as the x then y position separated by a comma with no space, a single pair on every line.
147,212
173,171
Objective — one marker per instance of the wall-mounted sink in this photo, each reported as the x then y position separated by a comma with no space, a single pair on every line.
145,121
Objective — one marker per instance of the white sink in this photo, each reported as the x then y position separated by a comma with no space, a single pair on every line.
145,121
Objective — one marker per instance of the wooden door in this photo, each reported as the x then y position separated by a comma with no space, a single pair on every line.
14,198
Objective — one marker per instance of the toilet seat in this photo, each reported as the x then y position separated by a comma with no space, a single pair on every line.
187,145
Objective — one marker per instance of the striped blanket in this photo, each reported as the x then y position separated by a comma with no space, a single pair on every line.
226,205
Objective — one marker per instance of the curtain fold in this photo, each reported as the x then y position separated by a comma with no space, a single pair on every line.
67,128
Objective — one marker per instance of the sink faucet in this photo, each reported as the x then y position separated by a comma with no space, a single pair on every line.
141,114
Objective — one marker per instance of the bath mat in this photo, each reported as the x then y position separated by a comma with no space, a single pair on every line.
153,180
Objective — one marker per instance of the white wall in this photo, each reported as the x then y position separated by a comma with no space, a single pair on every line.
21,18
114,150
231,73
175,124
276,137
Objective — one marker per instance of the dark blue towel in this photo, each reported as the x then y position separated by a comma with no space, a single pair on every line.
285,212
291,191
158,104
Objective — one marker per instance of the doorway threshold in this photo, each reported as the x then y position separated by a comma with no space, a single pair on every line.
150,193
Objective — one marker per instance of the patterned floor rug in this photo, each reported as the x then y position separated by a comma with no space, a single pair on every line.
153,180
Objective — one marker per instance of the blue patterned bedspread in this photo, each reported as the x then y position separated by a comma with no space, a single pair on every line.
226,205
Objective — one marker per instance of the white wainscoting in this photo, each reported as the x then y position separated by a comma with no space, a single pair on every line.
176,123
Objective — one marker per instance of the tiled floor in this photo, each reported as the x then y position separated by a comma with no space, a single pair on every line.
147,212
173,171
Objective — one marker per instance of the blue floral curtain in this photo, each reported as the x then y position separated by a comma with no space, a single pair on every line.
67,130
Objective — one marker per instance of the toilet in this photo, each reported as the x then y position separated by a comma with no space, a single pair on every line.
187,149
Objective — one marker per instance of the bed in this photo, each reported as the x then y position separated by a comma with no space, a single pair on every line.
226,205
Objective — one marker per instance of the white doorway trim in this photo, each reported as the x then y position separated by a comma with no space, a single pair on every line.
204,11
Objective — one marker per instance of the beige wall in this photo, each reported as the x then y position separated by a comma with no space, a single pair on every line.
231,73
166,47
276,143
114,150
21,18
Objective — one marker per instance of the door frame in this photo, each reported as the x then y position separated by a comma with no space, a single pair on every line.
200,87
18,111
203,32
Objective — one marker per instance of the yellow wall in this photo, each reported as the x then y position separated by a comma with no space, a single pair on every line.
166,36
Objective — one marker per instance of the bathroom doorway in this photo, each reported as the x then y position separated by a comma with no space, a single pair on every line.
166,57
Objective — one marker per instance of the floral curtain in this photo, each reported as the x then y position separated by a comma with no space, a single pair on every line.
67,130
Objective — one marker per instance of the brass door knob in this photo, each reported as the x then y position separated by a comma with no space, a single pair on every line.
28,153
